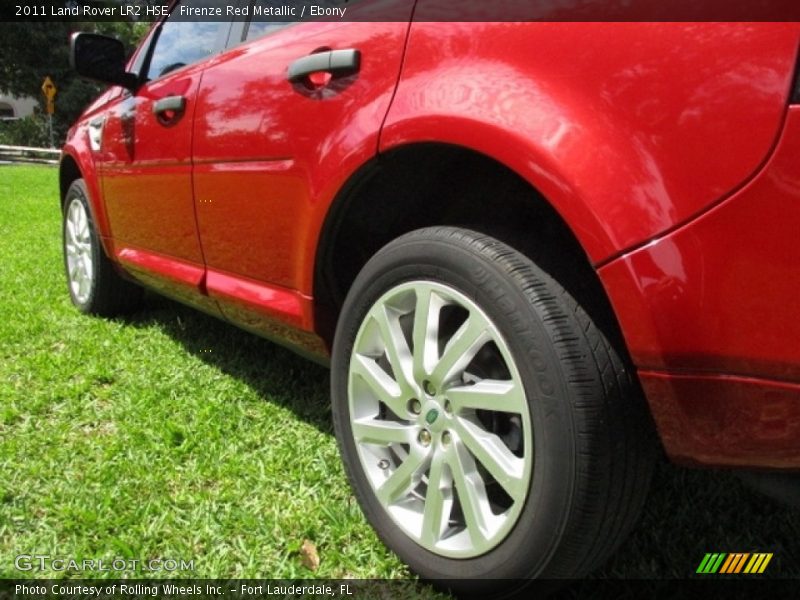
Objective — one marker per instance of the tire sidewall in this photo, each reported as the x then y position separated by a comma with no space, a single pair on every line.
534,538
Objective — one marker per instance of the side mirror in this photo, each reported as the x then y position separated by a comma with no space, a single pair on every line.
100,58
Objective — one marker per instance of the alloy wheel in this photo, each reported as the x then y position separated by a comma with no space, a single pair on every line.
440,419
78,246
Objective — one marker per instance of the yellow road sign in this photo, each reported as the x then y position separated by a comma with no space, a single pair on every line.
49,89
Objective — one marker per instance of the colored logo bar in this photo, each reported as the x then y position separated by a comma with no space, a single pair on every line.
734,563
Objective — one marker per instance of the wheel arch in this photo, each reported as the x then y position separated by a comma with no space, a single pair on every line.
429,183
68,172
77,163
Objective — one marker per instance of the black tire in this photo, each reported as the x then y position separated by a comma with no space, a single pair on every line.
107,293
592,436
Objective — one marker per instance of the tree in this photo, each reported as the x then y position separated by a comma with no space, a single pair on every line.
34,50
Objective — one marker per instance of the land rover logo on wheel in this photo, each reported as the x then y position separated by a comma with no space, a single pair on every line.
431,416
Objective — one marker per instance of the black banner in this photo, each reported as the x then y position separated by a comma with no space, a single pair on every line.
399,589
30,11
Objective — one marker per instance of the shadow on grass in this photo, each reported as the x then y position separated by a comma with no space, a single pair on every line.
275,373
689,512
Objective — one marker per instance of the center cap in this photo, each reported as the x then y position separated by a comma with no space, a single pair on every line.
431,416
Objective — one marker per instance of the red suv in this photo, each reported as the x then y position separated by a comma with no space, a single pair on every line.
523,248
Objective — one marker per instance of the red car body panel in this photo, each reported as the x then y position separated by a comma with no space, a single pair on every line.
78,150
667,148
266,174
146,170
723,420
628,129
709,315
720,293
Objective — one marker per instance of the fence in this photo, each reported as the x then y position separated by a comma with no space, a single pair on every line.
29,155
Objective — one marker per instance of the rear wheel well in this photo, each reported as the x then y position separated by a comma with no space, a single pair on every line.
422,185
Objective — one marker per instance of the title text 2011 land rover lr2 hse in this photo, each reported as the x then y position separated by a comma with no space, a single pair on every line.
525,248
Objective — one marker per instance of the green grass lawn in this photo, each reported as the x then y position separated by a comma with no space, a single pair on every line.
172,435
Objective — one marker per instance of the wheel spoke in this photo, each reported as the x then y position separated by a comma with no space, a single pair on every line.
382,433
438,501
462,347
495,456
404,479
71,233
471,495
489,394
382,385
395,345
72,215
75,217
83,228
83,287
426,332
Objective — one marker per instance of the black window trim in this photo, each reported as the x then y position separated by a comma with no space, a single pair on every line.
238,27
245,29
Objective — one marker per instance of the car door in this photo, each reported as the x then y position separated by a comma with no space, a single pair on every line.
145,159
275,138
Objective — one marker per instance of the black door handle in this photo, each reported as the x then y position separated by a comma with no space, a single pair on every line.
169,109
339,63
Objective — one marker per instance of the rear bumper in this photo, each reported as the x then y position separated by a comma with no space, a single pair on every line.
725,420
711,316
